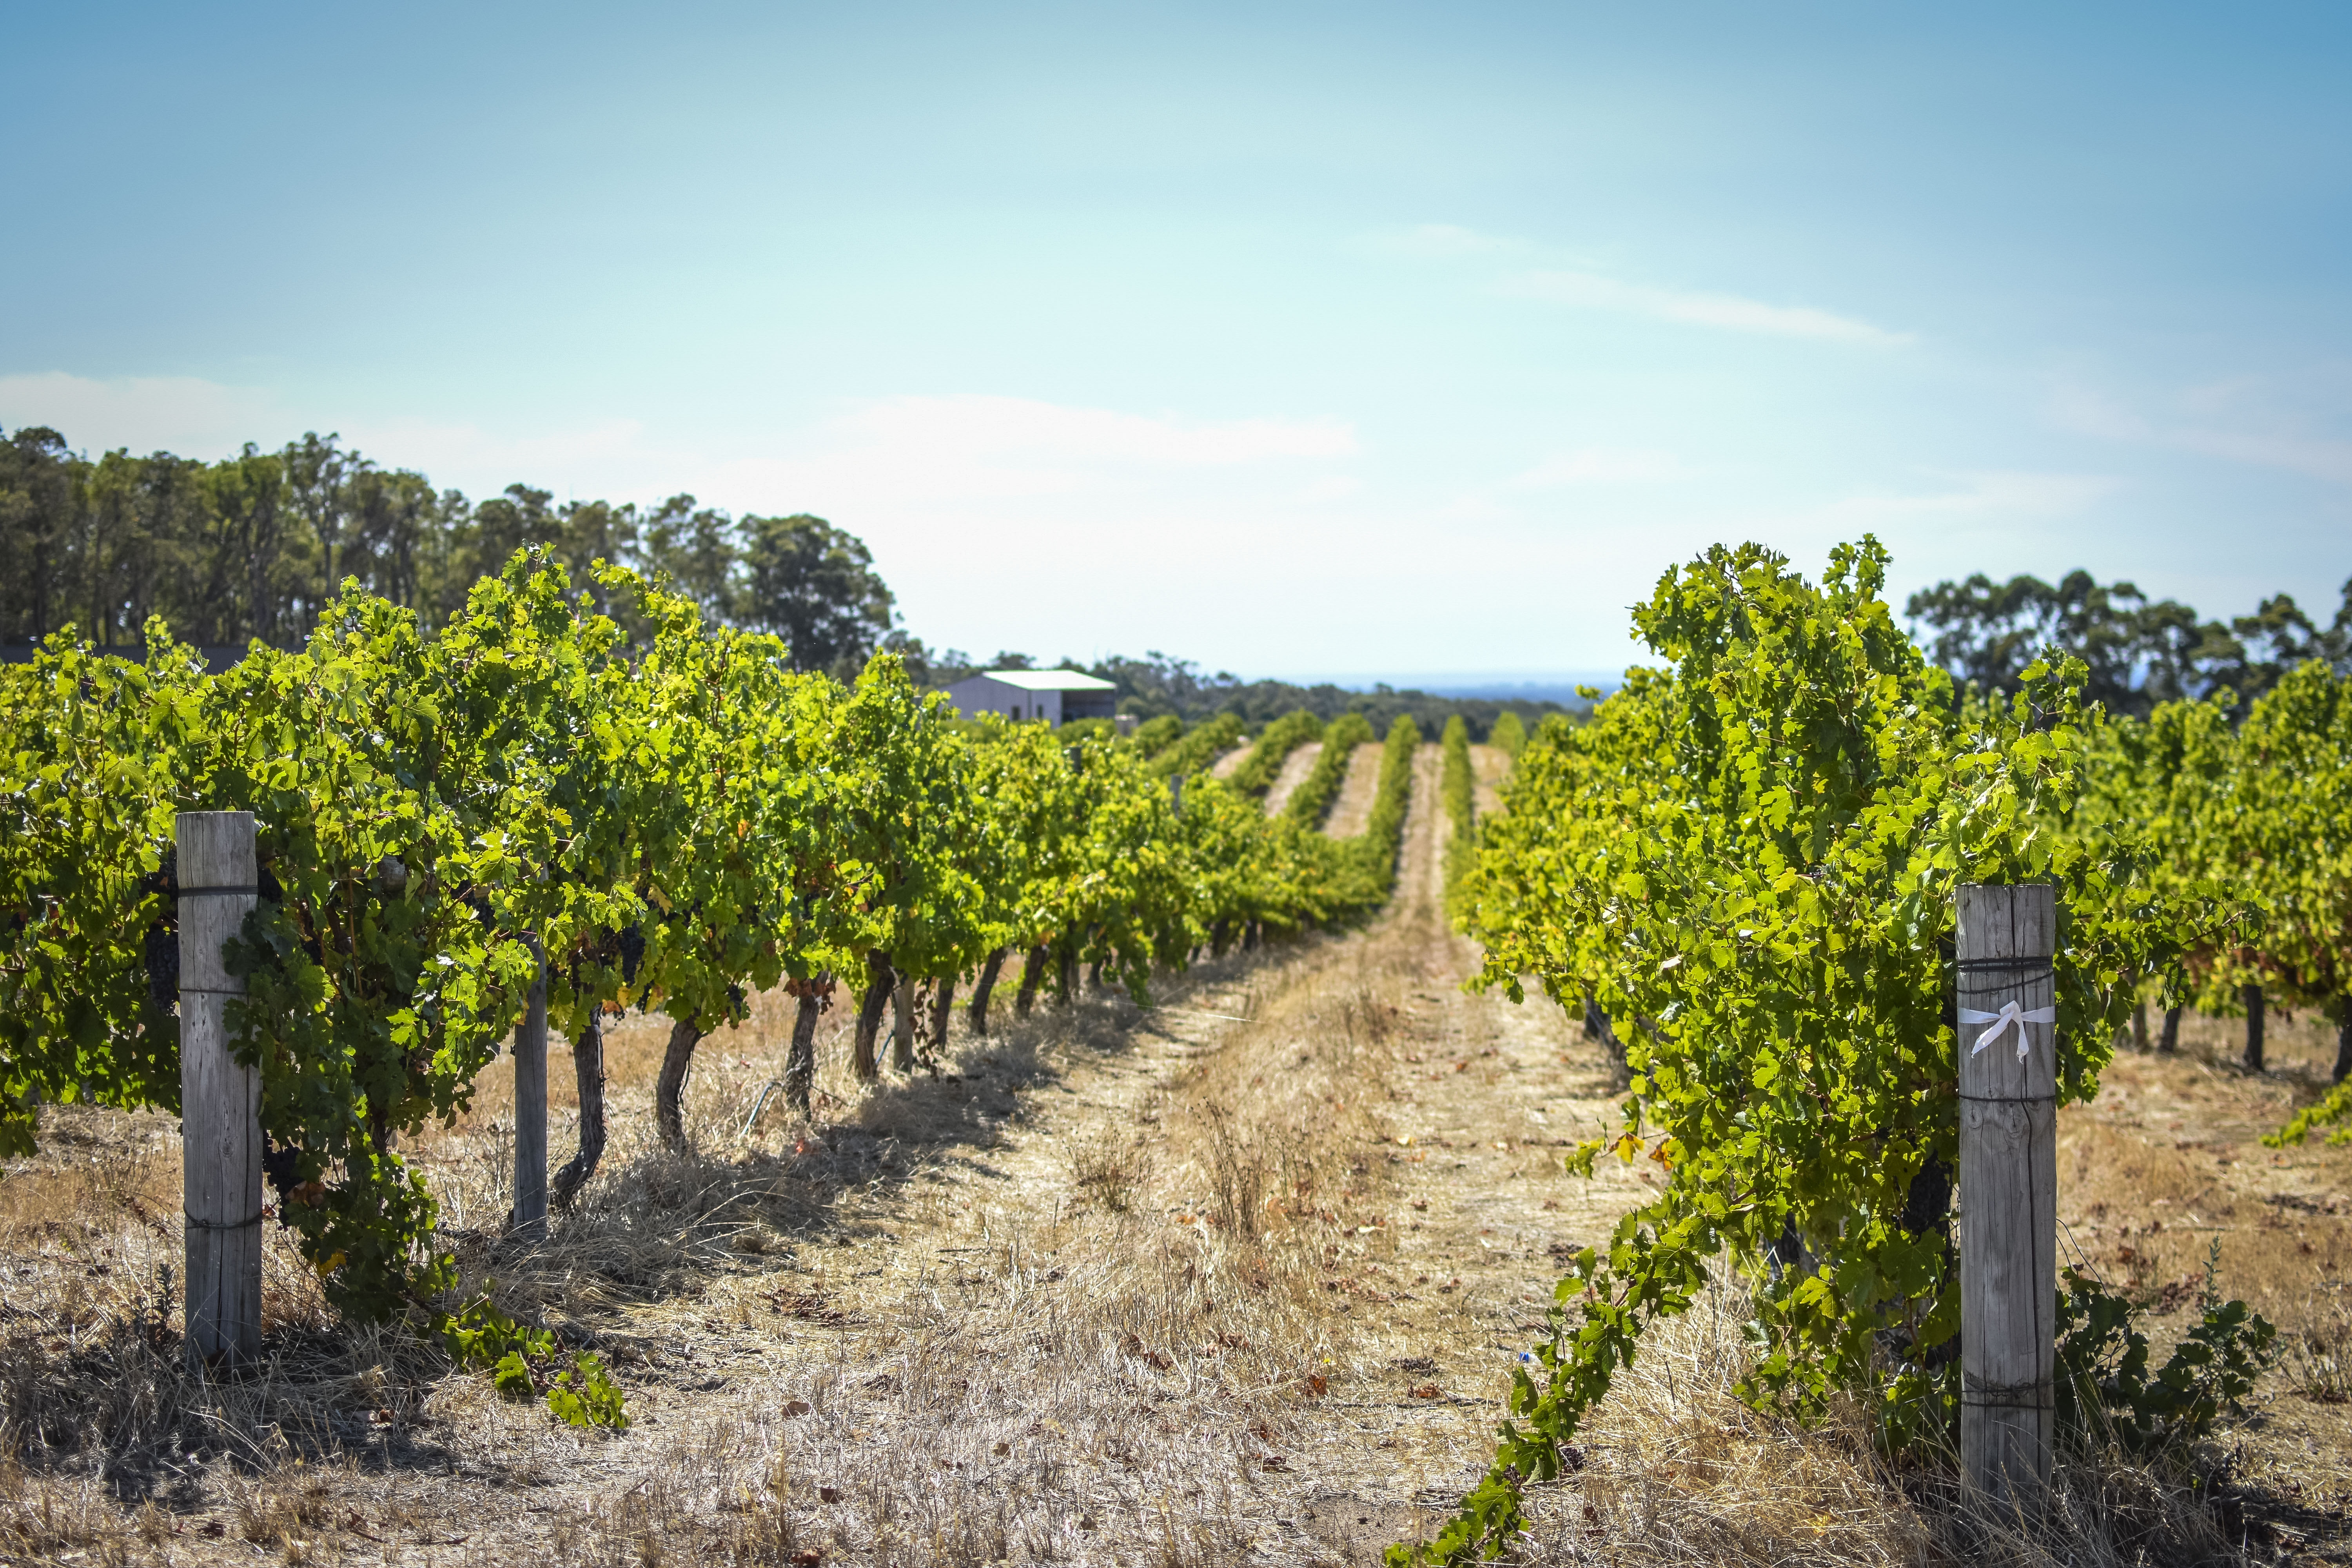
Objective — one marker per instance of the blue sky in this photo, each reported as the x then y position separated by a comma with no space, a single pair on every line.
1297,340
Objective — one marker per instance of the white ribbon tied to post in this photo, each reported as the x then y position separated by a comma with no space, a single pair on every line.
2010,1015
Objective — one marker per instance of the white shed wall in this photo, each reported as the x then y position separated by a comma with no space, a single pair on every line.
981,694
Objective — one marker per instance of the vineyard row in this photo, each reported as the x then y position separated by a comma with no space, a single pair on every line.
1754,859
533,813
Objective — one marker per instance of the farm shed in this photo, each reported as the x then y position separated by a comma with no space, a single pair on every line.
1053,695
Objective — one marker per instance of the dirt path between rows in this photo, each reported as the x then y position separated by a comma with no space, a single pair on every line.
1294,772
1487,766
1237,1278
1240,1278
1353,809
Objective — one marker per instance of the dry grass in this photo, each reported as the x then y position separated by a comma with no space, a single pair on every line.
1295,769
1677,1471
2164,1174
1353,809
1487,766
1237,1281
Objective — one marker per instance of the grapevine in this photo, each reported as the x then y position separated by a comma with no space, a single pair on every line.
1454,792
1203,745
671,815
1284,735
1312,800
1751,851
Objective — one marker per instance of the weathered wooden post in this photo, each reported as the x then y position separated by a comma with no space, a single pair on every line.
220,1101
1176,794
2009,1188
529,1222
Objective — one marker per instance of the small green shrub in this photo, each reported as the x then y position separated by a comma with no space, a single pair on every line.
594,1400
511,1377
480,1337
2105,1391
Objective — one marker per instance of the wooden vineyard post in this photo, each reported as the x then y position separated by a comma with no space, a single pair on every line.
530,1223
2009,1189
220,1099
1176,794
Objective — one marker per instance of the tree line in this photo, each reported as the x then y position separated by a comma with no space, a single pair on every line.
2138,652
253,545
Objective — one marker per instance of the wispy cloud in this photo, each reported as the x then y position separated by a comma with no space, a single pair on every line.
1727,312
2242,420
1334,488
1598,465
2089,411
1579,286
210,419
955,450
953,447
1446,241
1995,493
578,460
1024,426
1580,469
2317,457
180,413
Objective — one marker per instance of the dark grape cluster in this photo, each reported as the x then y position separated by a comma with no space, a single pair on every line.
162,951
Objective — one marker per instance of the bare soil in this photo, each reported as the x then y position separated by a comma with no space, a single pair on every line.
1228,762
1237,1278
1487,766
1353,809
1295,769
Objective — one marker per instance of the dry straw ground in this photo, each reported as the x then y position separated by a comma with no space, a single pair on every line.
1237,1279
1226,765
1353,809
1295,769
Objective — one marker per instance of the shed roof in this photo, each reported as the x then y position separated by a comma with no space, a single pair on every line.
1049,680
